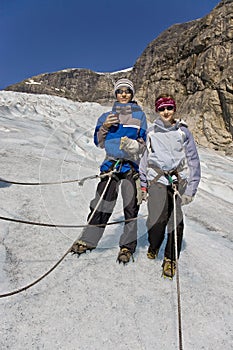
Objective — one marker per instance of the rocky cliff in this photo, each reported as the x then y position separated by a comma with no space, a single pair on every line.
193,61
80,85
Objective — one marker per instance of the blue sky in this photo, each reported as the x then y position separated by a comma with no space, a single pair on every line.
39,36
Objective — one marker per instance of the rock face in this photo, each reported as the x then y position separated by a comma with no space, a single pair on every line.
192,61
82,85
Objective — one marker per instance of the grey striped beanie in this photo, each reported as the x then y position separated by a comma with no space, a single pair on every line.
124,83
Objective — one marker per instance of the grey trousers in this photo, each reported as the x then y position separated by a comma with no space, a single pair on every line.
161,216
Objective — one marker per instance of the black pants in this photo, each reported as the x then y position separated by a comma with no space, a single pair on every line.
128,239
160,216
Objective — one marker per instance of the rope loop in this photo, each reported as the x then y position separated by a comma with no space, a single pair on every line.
109,174
176,193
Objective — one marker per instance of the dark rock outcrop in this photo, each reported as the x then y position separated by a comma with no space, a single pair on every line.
76,84
193,61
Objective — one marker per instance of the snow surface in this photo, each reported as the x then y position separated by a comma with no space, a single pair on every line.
93,302
32,82
119,71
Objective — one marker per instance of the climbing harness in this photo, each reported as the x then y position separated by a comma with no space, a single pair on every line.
171,175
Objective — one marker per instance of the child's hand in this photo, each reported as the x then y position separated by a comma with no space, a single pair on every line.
185,199
111,120
144,194
129,145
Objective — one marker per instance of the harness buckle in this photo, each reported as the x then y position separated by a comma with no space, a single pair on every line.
172,176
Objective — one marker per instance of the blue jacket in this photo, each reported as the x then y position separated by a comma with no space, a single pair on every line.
132,124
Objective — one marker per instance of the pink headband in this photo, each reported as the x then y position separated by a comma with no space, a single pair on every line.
164,102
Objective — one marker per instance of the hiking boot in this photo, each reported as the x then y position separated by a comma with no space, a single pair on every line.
152,253
80,247
169,268
124,256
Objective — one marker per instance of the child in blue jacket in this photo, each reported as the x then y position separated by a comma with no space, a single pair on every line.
122,133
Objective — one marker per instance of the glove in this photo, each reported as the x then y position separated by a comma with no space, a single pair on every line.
144,194
185,199
129,145
111,120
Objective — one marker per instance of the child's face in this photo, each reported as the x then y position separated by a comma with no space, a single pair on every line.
167,114
123,95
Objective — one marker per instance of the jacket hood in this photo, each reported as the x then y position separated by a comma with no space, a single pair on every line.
159,124
132,106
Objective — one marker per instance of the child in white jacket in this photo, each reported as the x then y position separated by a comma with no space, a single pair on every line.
171,157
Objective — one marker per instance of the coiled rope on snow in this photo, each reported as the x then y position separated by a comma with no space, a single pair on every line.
65,254
81,181
61,226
